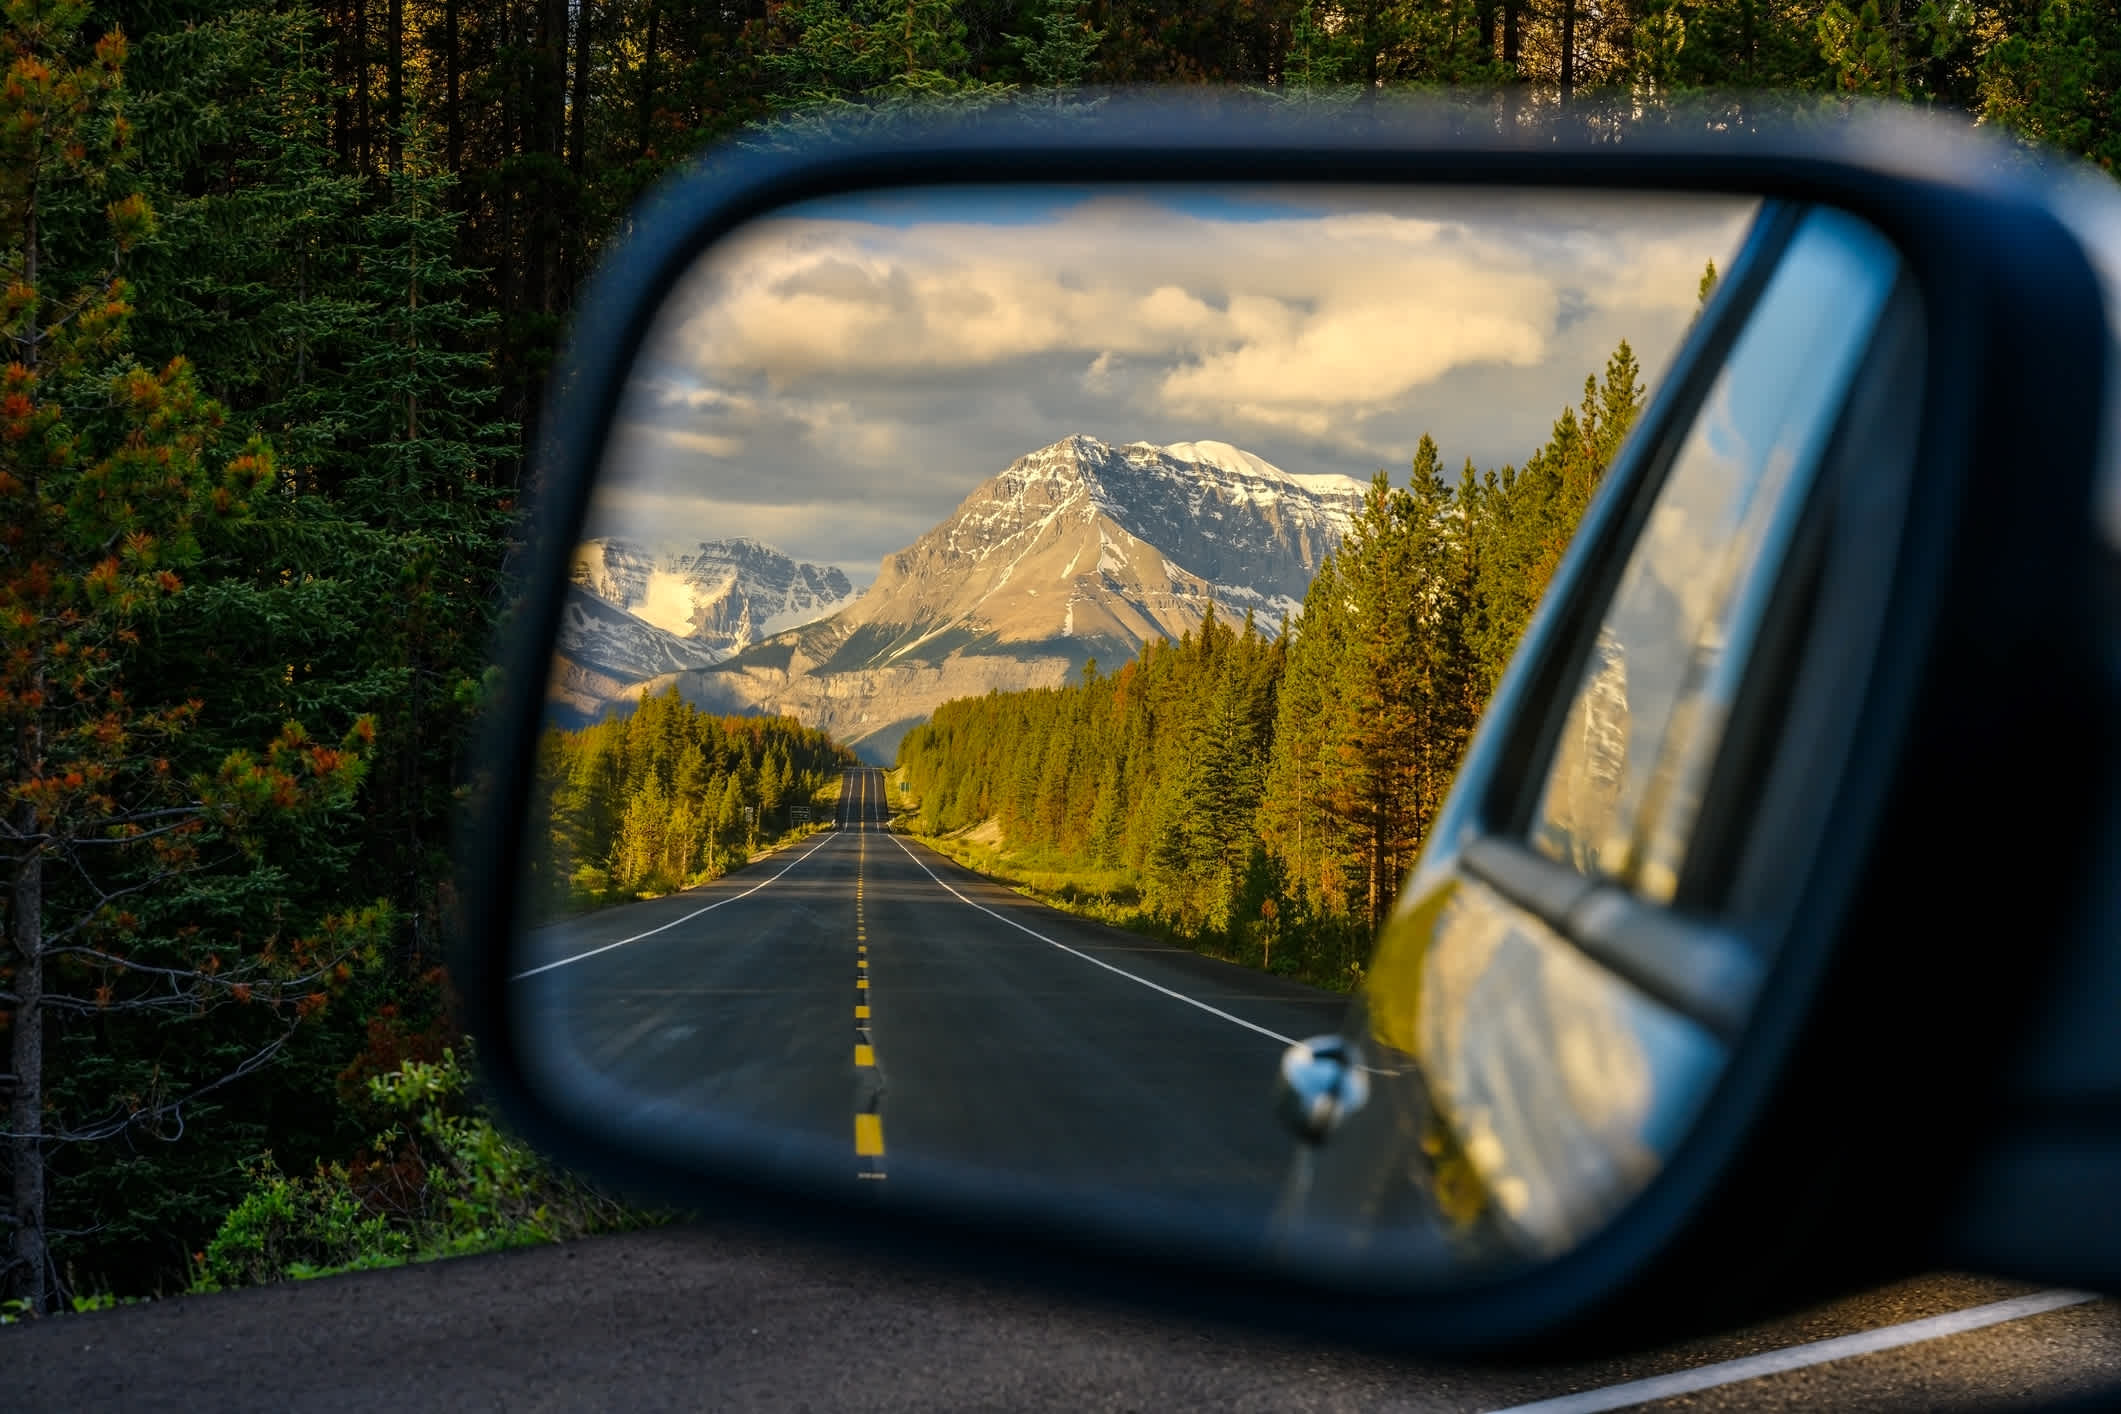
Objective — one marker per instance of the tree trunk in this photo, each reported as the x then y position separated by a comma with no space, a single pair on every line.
412,317
1369,51
364,143
1510,10
1377,863
395,103
25,1145
576,257
452,118
578,101
647,113
1568,49
342,101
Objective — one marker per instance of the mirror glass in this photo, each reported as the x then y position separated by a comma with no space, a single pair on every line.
1021,639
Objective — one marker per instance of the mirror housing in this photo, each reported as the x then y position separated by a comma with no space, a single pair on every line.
1838,1147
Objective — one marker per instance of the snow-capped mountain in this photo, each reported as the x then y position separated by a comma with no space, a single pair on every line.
1105,546
605,638
721,595
1076,550
633,614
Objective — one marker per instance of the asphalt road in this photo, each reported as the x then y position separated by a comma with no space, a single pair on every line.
732,1319
862,990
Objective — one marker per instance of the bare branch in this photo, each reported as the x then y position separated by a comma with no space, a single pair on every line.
103,899
192,811
234,977
152,1116
181,1001
112,842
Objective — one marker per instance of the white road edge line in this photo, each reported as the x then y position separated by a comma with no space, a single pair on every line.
547,967
1152,986
1798,1357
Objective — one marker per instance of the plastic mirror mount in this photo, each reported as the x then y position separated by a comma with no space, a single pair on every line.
1825,1158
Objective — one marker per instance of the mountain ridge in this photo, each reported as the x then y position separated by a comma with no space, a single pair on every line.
633,613
1078,549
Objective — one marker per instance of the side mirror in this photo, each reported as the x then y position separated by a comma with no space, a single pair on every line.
1783,836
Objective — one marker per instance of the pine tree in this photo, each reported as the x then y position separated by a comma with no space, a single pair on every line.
835,55
1059,58
111,476
2054,81
420,444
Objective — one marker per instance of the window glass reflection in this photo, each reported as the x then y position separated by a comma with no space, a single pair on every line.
1641,733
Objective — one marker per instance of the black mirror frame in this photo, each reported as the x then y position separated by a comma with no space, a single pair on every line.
2000,275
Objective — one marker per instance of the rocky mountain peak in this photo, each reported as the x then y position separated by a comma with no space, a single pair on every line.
1077,549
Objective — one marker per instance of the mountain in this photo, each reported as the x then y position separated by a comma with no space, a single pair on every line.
721,595
602,636
1076,550
1109,546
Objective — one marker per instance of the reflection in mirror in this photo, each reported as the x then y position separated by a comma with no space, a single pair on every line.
1621,798
1019,642
1544,1034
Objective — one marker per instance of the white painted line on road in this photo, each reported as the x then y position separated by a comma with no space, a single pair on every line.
547,967
1152,986
1798,1357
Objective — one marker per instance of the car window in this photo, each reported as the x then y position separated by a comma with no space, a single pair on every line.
1623,790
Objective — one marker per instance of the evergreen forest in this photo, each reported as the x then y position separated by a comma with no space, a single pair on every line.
283,283
667,797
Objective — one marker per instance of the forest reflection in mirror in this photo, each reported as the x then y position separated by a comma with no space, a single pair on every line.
1018,643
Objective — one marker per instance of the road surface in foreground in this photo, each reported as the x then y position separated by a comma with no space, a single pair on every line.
728,1319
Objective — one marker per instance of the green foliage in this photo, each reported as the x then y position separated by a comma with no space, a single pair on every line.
834,53
667,797
2057,82
284,1225
1061,54
441,1180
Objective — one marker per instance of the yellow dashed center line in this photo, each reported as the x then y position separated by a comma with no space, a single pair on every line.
868,1125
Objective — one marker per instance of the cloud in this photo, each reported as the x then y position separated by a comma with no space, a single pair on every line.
859,366
1301,320
685,440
